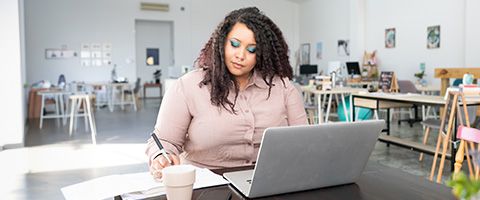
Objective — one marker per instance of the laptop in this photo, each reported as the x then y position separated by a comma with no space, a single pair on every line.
298,158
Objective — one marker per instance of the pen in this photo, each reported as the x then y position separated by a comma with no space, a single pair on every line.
162,150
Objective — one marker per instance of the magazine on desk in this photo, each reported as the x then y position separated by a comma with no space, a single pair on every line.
133,186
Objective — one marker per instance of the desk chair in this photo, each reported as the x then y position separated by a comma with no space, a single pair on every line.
469,143
406,86
134,93
77,100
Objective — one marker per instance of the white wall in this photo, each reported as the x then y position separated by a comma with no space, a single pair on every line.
327,21
364,23
411,19
472,33
53,23
12,120
207,14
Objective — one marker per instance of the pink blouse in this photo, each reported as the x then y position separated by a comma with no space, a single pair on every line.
205,135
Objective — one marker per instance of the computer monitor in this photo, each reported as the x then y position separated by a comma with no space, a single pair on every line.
308,69
353,68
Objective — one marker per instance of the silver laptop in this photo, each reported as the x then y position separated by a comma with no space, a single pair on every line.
300,158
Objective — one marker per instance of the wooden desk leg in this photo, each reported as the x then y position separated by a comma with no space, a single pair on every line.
445,83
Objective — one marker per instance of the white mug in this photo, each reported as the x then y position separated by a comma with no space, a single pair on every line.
178,181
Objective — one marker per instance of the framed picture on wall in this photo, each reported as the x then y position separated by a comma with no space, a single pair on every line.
433,37
59,53
152,57
319,53
305,54
343,48
390,38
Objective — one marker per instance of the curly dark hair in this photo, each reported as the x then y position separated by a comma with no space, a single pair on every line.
271,55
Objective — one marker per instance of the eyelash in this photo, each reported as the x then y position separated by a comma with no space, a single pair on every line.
237,44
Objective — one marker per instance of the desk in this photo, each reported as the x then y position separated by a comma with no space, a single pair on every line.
342,91
34,102
376,182
363,84
375,101
151,85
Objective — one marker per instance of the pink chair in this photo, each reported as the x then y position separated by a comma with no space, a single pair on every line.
469,140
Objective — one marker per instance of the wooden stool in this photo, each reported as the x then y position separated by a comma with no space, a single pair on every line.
76,103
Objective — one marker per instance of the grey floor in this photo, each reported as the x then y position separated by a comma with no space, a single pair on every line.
52,159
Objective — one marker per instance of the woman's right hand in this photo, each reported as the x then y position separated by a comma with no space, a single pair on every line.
161,162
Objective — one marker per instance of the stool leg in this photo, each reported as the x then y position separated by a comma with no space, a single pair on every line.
122,100
134,101
85,115
425,137
62,110
41,111
328,107
73,105
91,120
78,104
57,105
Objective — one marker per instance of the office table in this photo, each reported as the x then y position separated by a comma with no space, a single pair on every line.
151,85
376,182
342,91
375,101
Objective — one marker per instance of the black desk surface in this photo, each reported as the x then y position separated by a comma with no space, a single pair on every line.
376,182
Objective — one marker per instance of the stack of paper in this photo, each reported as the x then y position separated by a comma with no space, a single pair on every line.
133,186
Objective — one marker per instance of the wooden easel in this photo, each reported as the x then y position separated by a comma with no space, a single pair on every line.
394,87
451,108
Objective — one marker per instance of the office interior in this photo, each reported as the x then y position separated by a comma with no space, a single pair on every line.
86,41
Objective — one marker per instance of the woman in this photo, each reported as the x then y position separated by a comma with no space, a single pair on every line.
214,116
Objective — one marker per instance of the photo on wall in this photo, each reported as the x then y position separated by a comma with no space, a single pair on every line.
153,55
390,38
305,54
319,53
343,48
433,37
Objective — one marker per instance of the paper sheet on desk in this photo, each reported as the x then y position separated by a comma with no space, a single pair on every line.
132,186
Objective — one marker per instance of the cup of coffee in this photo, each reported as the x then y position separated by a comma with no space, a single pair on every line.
178,181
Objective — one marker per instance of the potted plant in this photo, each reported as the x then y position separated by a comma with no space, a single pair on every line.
420,79
464,187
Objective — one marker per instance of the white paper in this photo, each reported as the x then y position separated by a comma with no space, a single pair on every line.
132,186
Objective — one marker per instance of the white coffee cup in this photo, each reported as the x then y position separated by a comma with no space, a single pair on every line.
178,181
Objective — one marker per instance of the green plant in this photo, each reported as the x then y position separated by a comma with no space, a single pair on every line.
463,187
420,75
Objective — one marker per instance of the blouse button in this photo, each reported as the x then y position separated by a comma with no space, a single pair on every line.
247,111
